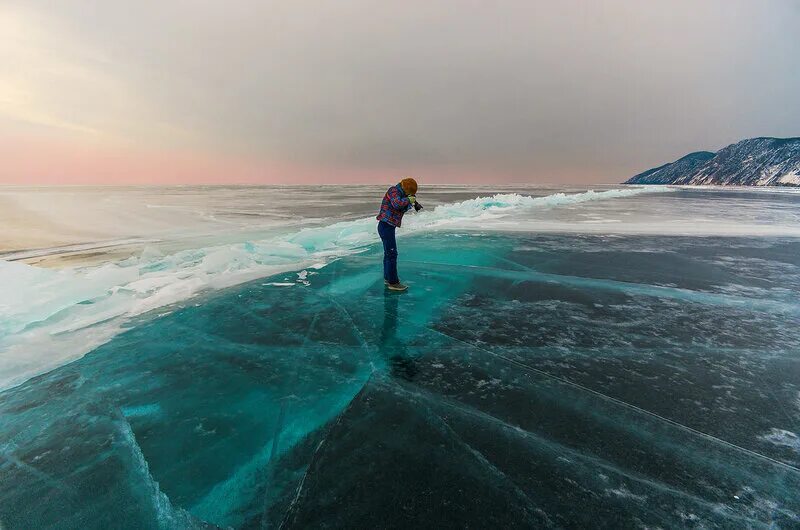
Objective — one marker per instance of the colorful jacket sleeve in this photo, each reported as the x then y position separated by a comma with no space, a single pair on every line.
399,202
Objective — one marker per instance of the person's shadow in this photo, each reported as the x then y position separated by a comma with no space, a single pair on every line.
392,345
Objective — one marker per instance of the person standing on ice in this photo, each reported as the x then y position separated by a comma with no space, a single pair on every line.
397,201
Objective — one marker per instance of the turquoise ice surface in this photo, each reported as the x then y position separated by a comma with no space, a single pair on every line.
522,381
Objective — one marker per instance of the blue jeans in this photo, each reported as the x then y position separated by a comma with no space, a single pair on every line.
386,231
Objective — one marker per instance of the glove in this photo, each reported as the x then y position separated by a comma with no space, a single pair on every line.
412,199
417,207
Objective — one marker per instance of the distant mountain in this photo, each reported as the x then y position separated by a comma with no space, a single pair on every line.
753,162
669,173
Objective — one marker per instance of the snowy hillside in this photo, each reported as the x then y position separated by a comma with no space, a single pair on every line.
753,162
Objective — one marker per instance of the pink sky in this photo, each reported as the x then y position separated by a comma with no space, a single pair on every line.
38,162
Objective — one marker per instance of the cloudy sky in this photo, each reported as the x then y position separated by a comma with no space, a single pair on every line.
252,91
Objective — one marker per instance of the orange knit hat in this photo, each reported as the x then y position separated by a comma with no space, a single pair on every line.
409,186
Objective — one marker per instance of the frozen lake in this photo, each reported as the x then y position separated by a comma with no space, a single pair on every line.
563,358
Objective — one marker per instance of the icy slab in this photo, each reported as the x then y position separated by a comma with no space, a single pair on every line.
562,381
86,306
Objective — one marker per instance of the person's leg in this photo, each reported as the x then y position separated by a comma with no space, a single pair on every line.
382,233
392,257
386,231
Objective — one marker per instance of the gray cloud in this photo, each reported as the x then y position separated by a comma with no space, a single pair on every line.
529,88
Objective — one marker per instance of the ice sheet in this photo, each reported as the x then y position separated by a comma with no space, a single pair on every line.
90,304
650,380
499,389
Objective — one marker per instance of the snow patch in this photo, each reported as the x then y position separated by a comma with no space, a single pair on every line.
782,437
624,493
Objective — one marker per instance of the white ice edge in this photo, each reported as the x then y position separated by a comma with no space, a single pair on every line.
50,317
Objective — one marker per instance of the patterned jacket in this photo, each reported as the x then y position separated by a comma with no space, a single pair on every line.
395,203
